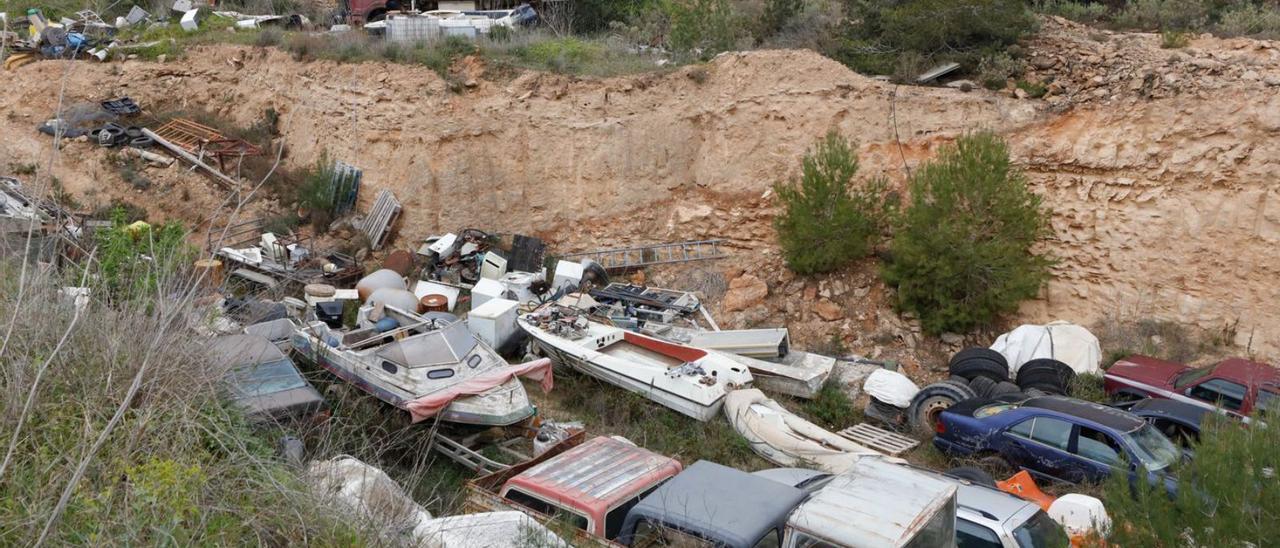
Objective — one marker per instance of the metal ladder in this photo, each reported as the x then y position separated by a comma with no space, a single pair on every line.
631,258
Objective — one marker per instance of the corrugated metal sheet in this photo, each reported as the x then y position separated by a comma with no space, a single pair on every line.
875,503
602,470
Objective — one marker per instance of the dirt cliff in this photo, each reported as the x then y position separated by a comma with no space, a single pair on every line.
1163,197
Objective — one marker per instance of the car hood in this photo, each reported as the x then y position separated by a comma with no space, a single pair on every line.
1147,370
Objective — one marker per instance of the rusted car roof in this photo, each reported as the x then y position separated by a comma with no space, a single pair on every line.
597,474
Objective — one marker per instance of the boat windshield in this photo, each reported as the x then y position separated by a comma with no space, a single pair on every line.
1152,448
445,346
265,378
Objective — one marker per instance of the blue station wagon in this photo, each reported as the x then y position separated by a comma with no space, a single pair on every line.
1058,439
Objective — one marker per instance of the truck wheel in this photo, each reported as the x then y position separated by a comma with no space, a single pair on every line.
979,366
1046,371
972,474
982,386
931,400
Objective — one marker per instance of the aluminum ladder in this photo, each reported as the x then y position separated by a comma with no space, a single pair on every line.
632,258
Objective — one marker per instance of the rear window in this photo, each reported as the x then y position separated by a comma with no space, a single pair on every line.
538,505
939,531
266,378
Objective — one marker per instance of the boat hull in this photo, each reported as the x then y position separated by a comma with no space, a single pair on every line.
576,359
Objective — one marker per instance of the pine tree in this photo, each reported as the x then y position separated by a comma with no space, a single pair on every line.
962,250
828,220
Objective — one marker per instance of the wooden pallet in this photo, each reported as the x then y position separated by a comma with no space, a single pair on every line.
879,439
383,214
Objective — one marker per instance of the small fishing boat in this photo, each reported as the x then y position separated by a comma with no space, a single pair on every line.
786,439
424,365
688,380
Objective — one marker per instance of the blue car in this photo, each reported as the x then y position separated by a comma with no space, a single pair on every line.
1058,439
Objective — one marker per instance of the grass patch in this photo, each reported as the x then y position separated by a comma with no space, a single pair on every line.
1088,387
831,408
1034,90
1172,39
1162,339
609,410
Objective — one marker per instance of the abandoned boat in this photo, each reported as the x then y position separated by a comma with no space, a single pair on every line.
767,353
424,365
688,380
784,438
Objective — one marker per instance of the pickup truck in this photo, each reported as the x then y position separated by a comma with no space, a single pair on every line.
589,485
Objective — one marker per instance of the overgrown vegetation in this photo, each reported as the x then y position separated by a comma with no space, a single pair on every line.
828,218
962,251
135,260
1175,18
1228,495
832,408
116,434
878,33
1122,336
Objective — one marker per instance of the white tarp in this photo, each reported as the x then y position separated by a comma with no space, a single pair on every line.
1062,341
890,387
489,530
371,496
1080,514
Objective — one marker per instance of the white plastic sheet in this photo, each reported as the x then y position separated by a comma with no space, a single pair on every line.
890,387
1063,341
1080,514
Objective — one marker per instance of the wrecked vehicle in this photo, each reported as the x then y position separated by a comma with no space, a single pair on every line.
712,505
985,516
261,379
1237,386
876,504
1057,439
423,365
591,485
688,380
1178,421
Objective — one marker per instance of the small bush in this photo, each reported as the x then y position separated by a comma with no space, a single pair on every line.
962,249
270,36
561,54
831,408
1084,12
706,27
1165,14
776,15
826,220
1088,387
1172,39
1228,495
1034,90
1247,19
877,31
994,71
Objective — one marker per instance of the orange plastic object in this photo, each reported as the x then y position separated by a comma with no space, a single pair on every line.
1022,485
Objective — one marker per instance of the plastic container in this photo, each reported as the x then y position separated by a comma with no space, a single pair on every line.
382,279
433,303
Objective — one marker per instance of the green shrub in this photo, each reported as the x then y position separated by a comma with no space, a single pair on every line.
961,252
831,407
1165,14
561,54
877,31
1247,19
827,220
133,262
1034,90
1084,12
596,15
1172,39
994,71
1229,494
706,26
776,15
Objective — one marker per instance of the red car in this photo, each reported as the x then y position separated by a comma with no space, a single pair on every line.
1235,385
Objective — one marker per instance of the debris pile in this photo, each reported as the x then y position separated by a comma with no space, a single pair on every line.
1079,65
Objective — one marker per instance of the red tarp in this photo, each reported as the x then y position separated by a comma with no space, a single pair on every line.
427,406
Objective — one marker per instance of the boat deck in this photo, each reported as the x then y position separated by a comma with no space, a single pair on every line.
625,350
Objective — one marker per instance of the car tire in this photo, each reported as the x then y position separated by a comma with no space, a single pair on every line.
1004,387
972,474
978,366
889,415
1045,370
959,379
979,352
995,464
933,399
982,386
964,388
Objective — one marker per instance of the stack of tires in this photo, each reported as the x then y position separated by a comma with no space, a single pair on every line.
984,373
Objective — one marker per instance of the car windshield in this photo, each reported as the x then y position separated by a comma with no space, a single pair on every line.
1188,377
265,378
1041,532
1152,448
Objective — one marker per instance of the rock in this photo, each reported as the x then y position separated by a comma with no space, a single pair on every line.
1020,93
1251,75
828,311
685,214
1272,80
953,339
744,292
810,293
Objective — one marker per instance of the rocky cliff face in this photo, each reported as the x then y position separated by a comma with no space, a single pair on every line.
1164,198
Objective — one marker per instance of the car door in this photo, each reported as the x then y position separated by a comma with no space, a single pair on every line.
1098,454
1041,445
1223,393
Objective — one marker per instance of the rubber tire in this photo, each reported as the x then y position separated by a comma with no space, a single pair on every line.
996,463
959,379
972,474
964,388
980,367
982,386
932,399
133,132
979,352
1049,370
1004,387
891,416
142,142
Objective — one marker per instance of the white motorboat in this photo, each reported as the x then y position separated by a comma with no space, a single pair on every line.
786,439
689,380
411,358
